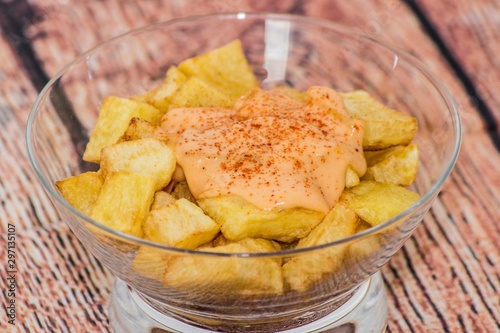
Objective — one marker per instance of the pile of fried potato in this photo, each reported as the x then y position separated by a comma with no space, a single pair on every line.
133,191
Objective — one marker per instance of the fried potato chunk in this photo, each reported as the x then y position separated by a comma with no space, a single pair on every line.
197,93
376,202
161,96
124,201
145,97
351,178
81,191
384,127
220,240
301,272
225,68
162,199
397,165
229,275
240,219
145,156
151,262
113,120
181,190
258,244
360,250
138,129
181,224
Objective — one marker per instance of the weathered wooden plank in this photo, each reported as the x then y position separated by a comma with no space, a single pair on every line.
394,22
446,277
24,201
453,265
469,31
60,286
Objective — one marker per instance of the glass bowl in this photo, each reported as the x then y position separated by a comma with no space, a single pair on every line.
282,50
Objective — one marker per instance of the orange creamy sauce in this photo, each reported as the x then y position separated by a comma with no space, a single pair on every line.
269,149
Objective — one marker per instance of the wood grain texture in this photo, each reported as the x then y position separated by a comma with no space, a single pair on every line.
61,287
393,21
445,279
23,198
469,31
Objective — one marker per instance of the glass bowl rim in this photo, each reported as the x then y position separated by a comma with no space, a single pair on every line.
316,22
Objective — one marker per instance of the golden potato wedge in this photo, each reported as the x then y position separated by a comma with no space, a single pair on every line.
151,262
384,127
225,68
81,191
113,120
362,188
260,245
362,249
145,97
160,96
376,202
180,224
257,244
351,178
138,129
339,223
162,199
229,276
397,165
220,240
181,190
197,93
302,272
163,94
240,219
145,156
124,201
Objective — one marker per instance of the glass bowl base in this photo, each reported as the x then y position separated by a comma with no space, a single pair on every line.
365,311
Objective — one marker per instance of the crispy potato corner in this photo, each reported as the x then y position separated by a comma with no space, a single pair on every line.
81,191
378,202
225,68
397,165
384,127
180,224
150,262
197,93
143,156
124,201
138,129
240,219
230,276
301,272
114,118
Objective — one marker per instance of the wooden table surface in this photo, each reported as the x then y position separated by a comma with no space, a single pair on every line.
445,279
